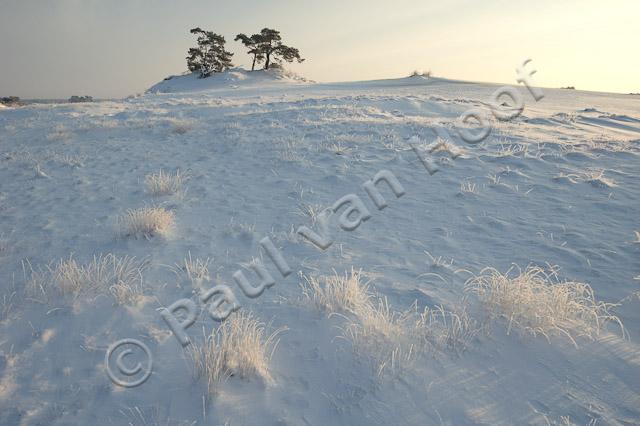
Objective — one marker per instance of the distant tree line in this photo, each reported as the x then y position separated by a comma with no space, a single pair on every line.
78,99
11,100
210,56
15,101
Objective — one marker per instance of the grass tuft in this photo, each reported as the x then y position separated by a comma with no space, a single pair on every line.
161,183
533,302
240,346
468,187
389,339
339,293
121,276
196,270
442,329
145,222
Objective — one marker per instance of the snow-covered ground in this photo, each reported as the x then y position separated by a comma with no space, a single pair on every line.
557,187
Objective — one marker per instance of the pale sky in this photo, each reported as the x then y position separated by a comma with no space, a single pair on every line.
114,48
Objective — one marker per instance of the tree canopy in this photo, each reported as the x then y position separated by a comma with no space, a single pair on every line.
210,55
267,46
252,44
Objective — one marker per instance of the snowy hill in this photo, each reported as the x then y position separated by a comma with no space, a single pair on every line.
231,79
94,240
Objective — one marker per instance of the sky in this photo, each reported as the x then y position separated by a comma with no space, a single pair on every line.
116,48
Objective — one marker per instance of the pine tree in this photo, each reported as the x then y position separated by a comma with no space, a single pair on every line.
252,44
267,46
288,54
210,55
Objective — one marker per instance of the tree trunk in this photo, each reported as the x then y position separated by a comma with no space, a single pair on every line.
268,61
253,65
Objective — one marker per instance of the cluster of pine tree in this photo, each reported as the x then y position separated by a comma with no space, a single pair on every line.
210,55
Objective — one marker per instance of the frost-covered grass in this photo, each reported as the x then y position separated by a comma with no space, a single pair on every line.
145,222
162,183
390,339
591,176
468,187
377,318
339,293
7,303
148,416
288,149
394,339
506,149
71,160
339,149
376,332
196,270
312,211
240,346
532,301
382,336
566,421
120,276
438,261
597,178
452,330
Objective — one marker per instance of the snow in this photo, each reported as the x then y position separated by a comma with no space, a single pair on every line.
233,78
558,185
